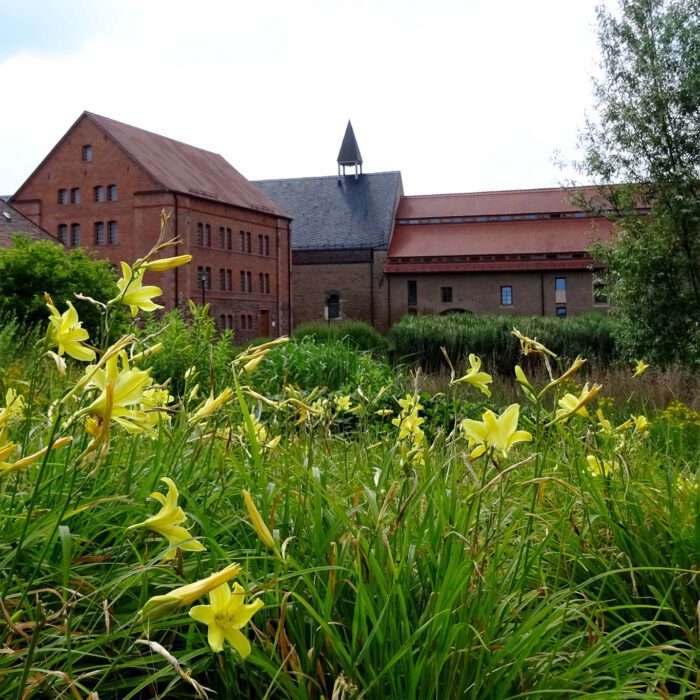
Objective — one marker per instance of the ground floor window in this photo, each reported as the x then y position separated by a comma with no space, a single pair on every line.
561,311
446,295
332,306
506,295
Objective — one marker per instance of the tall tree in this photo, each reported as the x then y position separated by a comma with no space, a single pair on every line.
645,137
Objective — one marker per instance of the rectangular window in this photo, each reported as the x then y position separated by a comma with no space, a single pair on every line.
207,235
248,245
446,294
560,290
75,234
112,194
267,283
87,153
267,245
412,293
261,283
561,310
63,233
99,233
222,279
261,247
506,296
99,193
249,281
242,241
229,280
75,195
243,324
208,274
112,233
229,244
63,196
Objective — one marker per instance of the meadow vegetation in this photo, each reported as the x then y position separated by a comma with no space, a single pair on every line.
303,520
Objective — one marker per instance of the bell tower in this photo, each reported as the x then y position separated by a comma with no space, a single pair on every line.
349,154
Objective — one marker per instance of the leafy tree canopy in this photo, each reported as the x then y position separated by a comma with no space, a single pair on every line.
646,135
30,268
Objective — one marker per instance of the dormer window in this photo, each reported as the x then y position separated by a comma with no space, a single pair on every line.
87,153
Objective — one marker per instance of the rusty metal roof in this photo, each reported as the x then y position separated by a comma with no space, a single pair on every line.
185,169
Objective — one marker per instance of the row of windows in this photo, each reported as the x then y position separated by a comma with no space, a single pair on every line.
226,280
204,239
226,322
100,193
495,217
446,296
103,232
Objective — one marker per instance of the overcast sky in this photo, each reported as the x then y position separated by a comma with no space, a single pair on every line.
459,95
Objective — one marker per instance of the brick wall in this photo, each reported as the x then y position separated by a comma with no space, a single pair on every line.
533,293
257,304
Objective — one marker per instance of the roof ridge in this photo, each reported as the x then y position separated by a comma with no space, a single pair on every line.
325,177
509,191
98,117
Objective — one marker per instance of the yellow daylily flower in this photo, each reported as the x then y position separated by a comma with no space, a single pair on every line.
641,424
499,432
160,605
475,377
6,451
530,346
575,366
258,523
521,379
154,402
408,424
605,425
575,405
343,403
120,390
226,616
211,405
599,467
66,332
167,263
640,368
168,522
133,294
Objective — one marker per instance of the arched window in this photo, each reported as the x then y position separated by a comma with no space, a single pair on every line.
332,307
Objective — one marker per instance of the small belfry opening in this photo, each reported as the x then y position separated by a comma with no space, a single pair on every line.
349,154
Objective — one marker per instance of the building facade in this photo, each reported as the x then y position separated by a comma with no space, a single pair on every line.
341,229
519,252
103,187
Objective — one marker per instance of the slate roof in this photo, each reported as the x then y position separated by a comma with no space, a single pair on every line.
338,212
11,222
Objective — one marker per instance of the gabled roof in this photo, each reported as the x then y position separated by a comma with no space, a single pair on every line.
338,212
11,222
349,153
179,167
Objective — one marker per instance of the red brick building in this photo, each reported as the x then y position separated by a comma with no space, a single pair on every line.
362,250
103,186
520,252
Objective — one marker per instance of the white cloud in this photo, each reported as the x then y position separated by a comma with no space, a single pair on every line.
458,95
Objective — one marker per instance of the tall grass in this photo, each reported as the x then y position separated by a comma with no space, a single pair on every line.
419,339
519,575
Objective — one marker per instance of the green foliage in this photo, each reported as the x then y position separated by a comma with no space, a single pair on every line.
419,339
333,364
645,135
186,344
356,333
30,268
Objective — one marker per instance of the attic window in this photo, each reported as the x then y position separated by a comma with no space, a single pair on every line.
87,153
7,215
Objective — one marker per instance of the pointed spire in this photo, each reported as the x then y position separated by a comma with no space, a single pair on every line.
349,151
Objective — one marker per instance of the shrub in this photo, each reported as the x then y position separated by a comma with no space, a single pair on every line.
31,268
357,333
